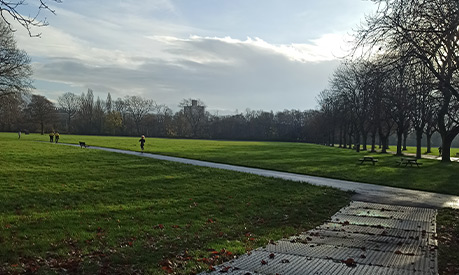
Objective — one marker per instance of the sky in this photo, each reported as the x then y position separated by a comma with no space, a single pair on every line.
232,55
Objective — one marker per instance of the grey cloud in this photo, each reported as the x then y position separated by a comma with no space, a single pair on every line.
232,76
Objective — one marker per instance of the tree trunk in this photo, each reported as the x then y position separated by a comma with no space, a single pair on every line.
340,136
399,142
373,142
364,141
418,142
350,141
357,142
384,141
405,136
429,142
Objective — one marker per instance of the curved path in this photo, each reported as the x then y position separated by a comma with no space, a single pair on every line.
364,191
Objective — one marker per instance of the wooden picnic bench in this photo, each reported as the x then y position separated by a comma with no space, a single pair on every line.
368,159
408,161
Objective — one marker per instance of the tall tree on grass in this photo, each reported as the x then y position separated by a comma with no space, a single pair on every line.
69,102
86,112
138,107
41,110
15,70
430,30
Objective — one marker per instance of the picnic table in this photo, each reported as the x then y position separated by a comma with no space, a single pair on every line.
368,159
408,161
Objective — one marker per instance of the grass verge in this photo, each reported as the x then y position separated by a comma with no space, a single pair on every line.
448,241
65,209
301,158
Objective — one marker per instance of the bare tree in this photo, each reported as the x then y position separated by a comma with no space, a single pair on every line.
86,111
429,30
138,107
41,110
15,70
14,9
69,102
11,113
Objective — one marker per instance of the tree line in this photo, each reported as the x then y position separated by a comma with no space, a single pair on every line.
136,115
402,78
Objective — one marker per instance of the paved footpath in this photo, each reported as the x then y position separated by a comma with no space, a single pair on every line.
385,230
363,191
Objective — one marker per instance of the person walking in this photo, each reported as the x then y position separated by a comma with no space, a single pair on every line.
56,137
142,142
51,136
19,135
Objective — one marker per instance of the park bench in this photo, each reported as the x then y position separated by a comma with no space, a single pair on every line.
368,159
83,144
408,161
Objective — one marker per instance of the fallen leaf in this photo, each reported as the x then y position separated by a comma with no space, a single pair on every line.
350,262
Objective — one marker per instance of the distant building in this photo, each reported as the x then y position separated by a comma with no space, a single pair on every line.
195,110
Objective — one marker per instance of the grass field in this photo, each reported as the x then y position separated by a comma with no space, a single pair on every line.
294,157
69,210
412,150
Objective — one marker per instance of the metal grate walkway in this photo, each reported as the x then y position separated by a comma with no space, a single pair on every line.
362,238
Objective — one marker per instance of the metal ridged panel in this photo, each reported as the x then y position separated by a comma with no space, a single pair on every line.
381,239
386,223
292,264
370,205
361,232
415,215
394,259
369,229
381,243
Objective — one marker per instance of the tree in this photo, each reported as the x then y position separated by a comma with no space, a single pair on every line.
15,70
86,111
429,29
13,8
41,110
98,116
11,113
108,103
138,107
68,102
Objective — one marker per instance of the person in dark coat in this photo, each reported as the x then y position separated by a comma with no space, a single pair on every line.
142,142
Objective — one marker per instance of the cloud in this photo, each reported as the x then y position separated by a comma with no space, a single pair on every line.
227,74
153,50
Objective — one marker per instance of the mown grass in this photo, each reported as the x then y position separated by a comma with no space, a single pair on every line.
448,241
69,210
434,151
302,158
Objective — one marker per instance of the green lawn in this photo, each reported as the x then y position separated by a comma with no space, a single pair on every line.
70,210
448,241
293,157
412,150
